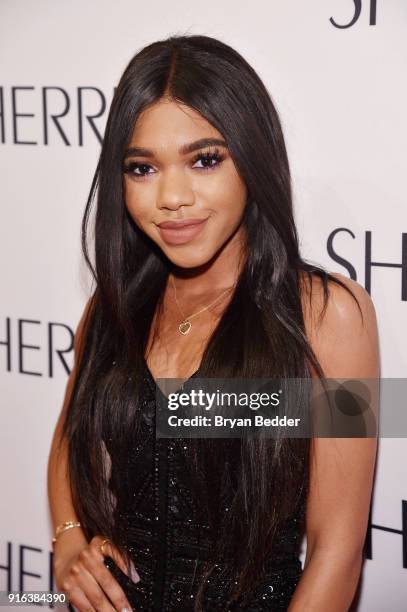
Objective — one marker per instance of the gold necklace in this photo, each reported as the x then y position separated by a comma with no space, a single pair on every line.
185,326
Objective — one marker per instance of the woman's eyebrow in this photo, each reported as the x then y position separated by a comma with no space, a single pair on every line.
183,150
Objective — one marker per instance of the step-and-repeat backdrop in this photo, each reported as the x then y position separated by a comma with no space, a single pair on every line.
336,70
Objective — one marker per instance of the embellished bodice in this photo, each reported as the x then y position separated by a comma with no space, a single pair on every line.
168,535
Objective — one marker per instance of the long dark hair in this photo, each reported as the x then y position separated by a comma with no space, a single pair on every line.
215,80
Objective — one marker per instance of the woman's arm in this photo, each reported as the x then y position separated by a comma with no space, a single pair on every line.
59,493
78,564
341,469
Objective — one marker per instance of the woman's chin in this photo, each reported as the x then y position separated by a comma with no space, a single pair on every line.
189,258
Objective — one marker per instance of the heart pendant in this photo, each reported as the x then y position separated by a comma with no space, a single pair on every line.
184,327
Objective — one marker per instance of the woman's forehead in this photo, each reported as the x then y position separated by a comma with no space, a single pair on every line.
171,124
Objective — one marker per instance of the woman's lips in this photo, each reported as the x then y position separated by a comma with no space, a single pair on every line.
182,233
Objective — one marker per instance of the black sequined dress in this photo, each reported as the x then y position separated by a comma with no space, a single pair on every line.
169,539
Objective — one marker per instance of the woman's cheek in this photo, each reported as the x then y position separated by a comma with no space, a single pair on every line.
138,206
137,214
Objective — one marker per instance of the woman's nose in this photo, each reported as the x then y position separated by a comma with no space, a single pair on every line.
175,190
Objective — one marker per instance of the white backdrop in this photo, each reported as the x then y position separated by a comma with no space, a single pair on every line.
342,96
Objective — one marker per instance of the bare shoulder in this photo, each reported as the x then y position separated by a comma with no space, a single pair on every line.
343,331
78,345
82,327
342,306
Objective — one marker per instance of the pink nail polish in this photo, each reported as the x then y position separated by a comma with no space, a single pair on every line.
134,574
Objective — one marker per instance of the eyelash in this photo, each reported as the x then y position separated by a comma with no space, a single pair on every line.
206,155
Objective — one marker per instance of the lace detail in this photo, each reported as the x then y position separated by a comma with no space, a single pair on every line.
168,535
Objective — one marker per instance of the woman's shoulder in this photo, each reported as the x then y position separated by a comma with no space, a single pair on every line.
340,324
81,328
346,300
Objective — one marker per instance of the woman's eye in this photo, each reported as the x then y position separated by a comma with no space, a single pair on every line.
209,160
137,169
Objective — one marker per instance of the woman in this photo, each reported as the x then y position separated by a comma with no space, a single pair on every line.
193,136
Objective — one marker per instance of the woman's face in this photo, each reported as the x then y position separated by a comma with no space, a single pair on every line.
171,175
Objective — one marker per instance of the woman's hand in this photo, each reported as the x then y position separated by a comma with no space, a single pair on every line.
88,583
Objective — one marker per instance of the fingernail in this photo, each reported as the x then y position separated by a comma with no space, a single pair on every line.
134,574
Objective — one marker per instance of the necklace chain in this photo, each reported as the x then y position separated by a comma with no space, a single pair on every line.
185,325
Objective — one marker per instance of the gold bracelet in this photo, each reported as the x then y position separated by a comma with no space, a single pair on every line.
64,527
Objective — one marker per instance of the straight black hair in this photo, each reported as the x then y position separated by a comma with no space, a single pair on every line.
266,307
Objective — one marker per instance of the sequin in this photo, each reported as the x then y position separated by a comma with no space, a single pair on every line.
169,539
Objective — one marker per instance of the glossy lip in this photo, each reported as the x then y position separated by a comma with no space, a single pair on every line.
180,223
174,233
